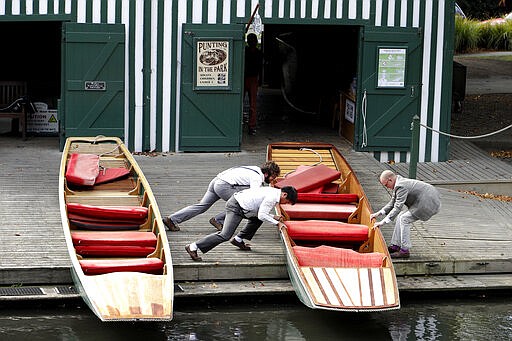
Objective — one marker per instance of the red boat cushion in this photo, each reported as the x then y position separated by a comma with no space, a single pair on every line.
325,230
88,224
82,169
337,198
330,188
109,212
313,177
114,250
114,238
328,256
111,174
103,266
319,211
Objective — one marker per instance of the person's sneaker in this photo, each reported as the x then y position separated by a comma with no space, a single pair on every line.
402,253
393,248
252,132
241,245
216,224
170,225
193,254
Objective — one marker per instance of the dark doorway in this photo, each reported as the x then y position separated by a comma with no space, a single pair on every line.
31,54
306,68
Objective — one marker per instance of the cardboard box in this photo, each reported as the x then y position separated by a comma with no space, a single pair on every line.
44,122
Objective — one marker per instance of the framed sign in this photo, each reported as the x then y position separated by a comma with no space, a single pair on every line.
212,69
350,110
391,68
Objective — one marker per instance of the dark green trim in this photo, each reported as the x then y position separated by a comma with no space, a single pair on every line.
446,112
88,11
174,78
146,78
159,80
118,10
131,79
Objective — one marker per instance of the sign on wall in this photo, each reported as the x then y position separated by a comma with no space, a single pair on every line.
212,64
391,69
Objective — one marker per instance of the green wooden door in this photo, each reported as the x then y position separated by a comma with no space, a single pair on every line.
92,97
390,89
211,87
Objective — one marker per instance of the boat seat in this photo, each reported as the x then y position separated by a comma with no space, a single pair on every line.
310,178
115,213
80,223
328,256
104,266
84,170
112,244
338,198
325,211
129,238
325,230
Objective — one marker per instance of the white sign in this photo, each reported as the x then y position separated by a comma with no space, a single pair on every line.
212,63
350,110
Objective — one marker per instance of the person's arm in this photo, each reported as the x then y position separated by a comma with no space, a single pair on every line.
266,206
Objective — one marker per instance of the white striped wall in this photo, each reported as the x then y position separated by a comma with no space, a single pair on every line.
165,78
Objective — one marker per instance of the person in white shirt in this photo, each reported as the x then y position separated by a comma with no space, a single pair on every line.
223,186
253,204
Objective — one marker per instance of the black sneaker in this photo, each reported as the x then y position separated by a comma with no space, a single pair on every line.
241,245
252,132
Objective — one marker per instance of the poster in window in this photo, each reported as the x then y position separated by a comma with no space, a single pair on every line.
212,64
391,69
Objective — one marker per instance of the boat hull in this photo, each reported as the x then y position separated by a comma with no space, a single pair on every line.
355,284
116,286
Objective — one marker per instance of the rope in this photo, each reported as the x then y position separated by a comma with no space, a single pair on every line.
466,137
364,143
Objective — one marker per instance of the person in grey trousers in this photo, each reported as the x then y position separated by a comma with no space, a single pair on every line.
253,204
422,200
223,186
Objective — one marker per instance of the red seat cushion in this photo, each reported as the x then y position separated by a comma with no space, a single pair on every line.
325,230
82,169
319,211
109,212
103,266
129,238
337,198
111,174
93,224
328,256
310,178
114,250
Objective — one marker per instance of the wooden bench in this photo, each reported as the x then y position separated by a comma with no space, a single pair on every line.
12,103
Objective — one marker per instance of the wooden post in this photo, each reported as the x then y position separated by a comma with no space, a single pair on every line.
415,139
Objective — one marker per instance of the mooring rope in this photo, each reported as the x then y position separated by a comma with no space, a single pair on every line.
466,137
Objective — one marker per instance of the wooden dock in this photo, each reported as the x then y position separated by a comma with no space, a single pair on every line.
468,245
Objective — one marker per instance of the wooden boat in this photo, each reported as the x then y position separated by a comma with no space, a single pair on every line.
336,260
121,261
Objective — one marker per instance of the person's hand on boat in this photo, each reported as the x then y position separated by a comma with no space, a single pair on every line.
382,222
281,226
376,214
279,218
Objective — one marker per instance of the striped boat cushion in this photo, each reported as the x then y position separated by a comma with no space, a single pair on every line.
82,169
325,230
103,266
328,256
310,178
319,211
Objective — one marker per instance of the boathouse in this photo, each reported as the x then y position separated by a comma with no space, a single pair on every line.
167,75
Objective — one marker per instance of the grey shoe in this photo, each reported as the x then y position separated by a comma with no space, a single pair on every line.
170,225
216,224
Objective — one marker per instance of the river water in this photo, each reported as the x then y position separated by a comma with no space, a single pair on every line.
477,318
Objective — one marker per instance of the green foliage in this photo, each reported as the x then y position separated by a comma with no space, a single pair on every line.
472,35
